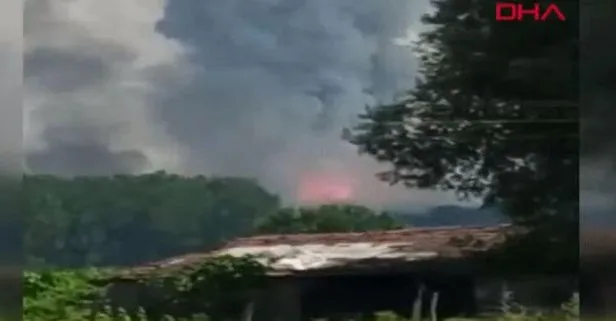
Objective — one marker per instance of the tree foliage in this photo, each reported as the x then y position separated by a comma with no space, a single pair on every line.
59,295
325,219
215,287
218,287
494,115
126,220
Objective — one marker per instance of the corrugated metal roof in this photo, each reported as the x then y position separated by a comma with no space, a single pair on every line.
296,258
287,254
425,237
302,252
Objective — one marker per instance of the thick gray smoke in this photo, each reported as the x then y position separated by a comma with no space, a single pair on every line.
88,73
256,88
278,80
10,88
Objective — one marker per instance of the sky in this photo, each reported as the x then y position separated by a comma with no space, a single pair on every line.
257,88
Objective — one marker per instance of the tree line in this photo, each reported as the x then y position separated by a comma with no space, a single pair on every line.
125,220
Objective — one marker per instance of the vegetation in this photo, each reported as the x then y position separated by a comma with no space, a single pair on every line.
452,215
127,220
59,295
114,221
325,219
494,116
215,287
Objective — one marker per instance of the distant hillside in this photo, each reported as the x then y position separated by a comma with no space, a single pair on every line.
450,215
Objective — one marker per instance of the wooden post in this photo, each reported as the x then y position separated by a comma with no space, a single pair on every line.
434,306
417,305
248,310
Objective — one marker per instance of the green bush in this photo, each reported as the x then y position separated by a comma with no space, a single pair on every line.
59,295
215,286
71,296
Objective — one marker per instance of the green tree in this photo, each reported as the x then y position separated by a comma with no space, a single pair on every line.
494,115
325,219
125,220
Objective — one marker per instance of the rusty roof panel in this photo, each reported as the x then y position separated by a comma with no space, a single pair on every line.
423,237
302,252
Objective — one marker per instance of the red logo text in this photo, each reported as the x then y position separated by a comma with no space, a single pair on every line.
506,11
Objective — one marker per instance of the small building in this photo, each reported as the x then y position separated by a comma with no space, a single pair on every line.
350,274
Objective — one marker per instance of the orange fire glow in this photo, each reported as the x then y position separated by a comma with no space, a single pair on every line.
324,188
